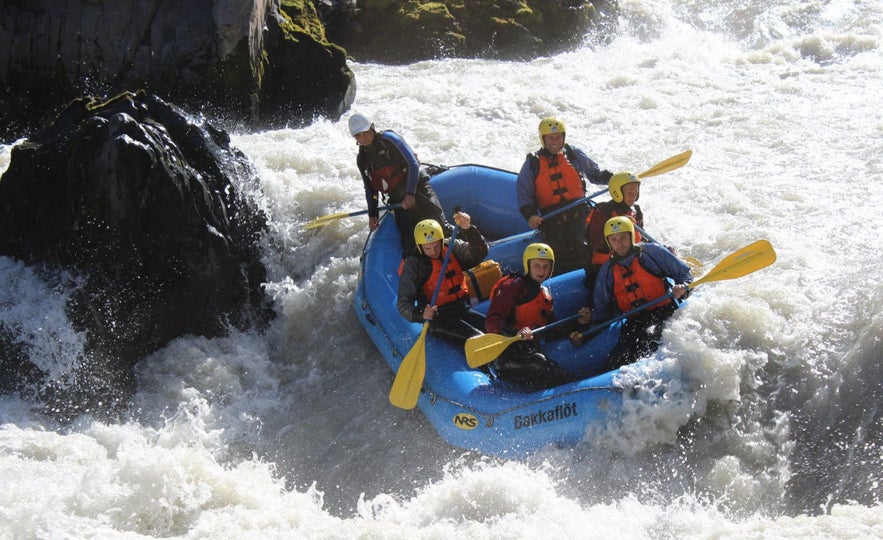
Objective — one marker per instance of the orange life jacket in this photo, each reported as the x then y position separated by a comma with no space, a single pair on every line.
634,286
454,285
557,181
535,313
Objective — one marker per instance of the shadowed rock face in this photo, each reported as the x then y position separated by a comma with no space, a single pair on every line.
153,211
251,62
257,64
402,31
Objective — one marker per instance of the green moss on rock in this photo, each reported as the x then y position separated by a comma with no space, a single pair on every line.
432,13
409,30
301,17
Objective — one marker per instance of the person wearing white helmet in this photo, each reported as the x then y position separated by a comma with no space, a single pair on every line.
390,170
634,275
519,304
552,178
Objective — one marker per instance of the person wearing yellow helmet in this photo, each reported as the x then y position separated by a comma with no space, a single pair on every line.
624,189
635,274
451,317
520,303
390,170
551,178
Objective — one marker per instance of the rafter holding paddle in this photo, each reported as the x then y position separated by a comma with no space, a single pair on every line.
664,166
750,258
409,378
483,349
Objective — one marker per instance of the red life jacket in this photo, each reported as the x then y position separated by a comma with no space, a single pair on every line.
454,285
386,179
532,313
502,282
634,286
557,181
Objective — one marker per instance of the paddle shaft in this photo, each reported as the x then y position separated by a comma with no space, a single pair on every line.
331,217
573,204
555,324
444,267
483,349
553,213
379,208
360,212
600,326
564,209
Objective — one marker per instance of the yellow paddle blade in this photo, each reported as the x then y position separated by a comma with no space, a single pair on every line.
409,379
481,350
669,164
324,220
750,258
694,264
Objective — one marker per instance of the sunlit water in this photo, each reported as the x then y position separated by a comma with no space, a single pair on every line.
759,418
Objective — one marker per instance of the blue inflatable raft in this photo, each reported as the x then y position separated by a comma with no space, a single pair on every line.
468,407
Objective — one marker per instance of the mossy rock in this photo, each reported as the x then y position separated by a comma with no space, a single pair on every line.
401,31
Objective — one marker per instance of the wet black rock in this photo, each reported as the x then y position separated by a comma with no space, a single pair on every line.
255,64
155,213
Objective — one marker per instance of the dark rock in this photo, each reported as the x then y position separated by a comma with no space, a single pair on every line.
301,69
154,211
402,31
237,60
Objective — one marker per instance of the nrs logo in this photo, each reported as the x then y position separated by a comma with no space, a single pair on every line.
465,421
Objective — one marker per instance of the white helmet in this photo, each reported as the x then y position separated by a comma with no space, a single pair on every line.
359,123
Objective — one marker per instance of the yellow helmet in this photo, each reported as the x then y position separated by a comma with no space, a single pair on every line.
427,232
549,125
537,251
617,181
618,224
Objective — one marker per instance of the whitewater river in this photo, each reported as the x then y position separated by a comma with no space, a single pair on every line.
760,418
